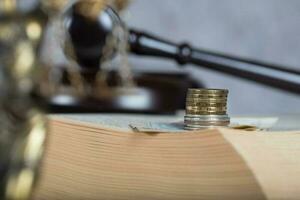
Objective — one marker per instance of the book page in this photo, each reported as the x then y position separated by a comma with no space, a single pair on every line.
123,121
85,160
167,123
273,157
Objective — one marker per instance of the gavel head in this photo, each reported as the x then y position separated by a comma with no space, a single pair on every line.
89,25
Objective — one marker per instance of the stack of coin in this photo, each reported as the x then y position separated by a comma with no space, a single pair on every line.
206,108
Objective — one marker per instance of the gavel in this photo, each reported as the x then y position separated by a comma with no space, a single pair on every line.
88,36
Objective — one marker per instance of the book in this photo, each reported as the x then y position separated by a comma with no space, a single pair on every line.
101,157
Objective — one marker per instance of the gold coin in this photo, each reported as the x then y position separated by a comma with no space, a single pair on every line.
219,100
207,91
206,96
207,104
206,109
191,112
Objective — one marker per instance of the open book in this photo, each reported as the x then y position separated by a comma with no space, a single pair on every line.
86,159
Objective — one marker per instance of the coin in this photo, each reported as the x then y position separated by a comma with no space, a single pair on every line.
215,123
207,104
206,96
204,126
207,91
206,118
188,99
195,128
205,113
206,108
197,107
196,124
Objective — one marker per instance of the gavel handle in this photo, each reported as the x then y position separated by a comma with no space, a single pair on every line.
268,74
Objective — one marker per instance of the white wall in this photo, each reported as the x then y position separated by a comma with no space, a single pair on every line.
262,29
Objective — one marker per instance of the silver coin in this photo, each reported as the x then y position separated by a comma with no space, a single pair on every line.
194,129
206,119
206,116
189,128
207,123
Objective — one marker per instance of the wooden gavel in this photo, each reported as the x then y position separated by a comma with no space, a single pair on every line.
88,36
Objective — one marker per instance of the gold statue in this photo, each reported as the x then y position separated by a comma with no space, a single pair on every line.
22,119
23,124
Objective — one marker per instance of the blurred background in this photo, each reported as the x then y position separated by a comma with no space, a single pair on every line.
267,30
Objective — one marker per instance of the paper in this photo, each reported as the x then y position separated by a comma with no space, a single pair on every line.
123,121
163,123
150,127
261,123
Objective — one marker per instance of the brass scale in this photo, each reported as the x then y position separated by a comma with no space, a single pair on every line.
27,84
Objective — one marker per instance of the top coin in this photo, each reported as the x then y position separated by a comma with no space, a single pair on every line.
207,91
